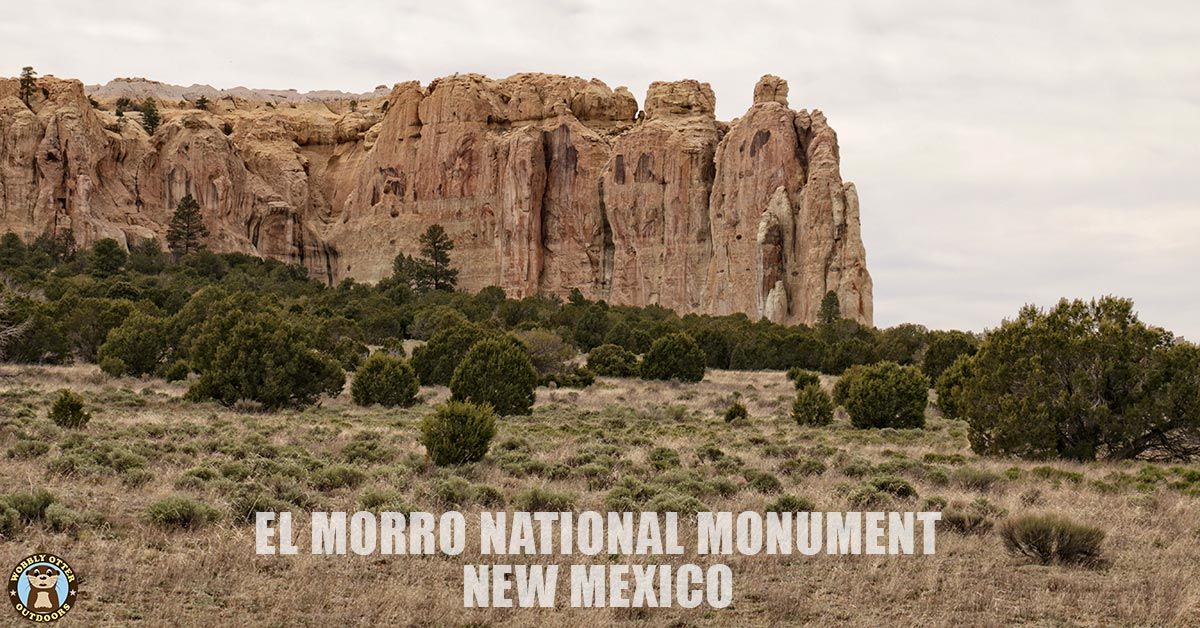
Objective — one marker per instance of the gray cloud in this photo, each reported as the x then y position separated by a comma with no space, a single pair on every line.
1005,152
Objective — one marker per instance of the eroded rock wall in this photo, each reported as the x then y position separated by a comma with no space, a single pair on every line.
545,183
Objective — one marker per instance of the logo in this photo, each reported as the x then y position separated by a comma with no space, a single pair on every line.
42,588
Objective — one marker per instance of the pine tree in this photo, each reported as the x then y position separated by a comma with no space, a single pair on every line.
432,270
411,272
436,247
830,309
202,103
27,83
58,246
150,117
108,257
187,231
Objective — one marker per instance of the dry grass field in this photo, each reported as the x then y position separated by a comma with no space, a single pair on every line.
618,442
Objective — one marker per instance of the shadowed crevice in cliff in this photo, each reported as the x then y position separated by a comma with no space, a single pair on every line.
556,210
608,250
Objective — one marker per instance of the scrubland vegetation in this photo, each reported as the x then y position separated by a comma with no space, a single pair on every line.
152,402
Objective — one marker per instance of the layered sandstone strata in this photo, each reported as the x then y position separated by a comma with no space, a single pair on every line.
545,183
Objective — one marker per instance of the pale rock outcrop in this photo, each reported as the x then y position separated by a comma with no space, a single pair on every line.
771,88
67,165
546,183
140,88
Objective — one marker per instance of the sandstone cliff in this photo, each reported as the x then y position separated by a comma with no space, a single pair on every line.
546,183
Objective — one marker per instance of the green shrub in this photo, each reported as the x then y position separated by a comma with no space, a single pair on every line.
949,387
542,500
266,360
709,452
550,355
59,518
579,377
762,481
632,339
135,347
1056,475
1050,539
112,366
903,344
716,347
252,500
791,503
337,476
854,467
107,258
936,502
812,406
489,496
721,485
136,477
612,361
24,449
176,371
893,485
868,497
349,352
30,507
452,491
803,377
10,521
663,458
458,433
365,448
499,373
386,380
802,466
183,512
975,479
42,340
86,322
429,321
755,353
736,411
674,356
629,495
591,327
975,518
846,353
436,361
886,395
67,410
1082,381
384,500
671,501
944,349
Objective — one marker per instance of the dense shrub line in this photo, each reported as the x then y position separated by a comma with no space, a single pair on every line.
1083,380
74,299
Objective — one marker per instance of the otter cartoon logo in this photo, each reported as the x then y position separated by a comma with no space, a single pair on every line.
42,588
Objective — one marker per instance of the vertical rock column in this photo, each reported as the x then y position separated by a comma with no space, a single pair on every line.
760,172
656,188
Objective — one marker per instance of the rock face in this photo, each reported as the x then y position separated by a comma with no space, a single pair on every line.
545,183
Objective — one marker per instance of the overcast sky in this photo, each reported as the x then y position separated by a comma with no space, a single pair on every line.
1004,152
